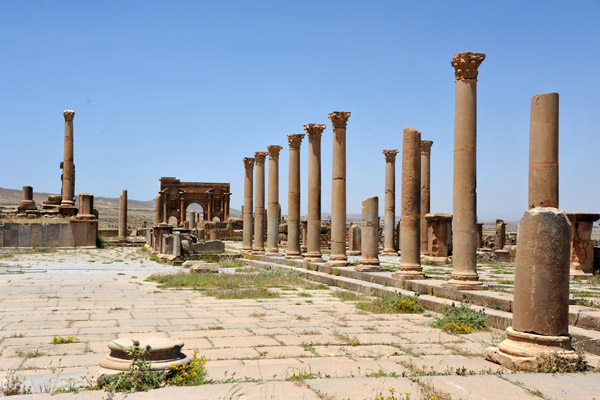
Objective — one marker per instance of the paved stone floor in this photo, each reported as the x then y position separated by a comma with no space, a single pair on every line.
255,348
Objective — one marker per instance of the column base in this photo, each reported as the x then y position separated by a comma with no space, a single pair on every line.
529,351
257,252
408,275
578,275
313,257
389,252
337,263
353,252
272,253
293,256
465,282
67,210
368,267
247,251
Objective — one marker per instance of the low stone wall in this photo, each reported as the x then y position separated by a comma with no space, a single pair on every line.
75,233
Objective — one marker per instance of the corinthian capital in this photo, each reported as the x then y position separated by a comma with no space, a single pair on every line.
248,162
260,157
339,118
390,155
314,131
274,151
426,146
69,115
294,139
466,64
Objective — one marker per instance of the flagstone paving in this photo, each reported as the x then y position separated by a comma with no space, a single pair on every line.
304,344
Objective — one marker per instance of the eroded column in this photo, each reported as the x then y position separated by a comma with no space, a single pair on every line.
27,202
389,249
369,260
500,235
338,257
259,210
123,215
313,233
273,202
410,258
582,245
248,187
293,239
425,192
464,203
67,205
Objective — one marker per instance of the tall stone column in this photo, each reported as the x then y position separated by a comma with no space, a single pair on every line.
389,249
273,202
464,203
410,260
247,232
500,235
293,240
313,233
543,151
259,206
369,260
123,215
157,216
67,205
425,192
338,256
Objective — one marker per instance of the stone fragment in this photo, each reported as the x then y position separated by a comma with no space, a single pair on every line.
582,245
369,260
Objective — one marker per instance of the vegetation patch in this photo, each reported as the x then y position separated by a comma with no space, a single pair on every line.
64,340
462,319
349,296
399,304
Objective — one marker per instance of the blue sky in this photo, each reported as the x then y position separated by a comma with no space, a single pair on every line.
187,89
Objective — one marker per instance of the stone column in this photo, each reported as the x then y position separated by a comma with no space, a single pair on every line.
540,326
123,215
259,205
273,202
389,249
582,246
440,228
157,218
543,151
410,260
181,208
247,227
338,257
293,238
354,240
27,203
67,205
313,233
86,206
398,235
191,218
464,203
425,192
479,235
369,260
303,233
500,235
164,195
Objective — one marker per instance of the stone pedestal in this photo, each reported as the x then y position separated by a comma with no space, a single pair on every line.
500,239
293,237
425,191
27,204
369,260
440,230
464,201
248,220
582,246
410,261
389,248
86,206
313,233
67,205
540,327
543,151
159,231
338,257
259,204
214,234
123,215
273,202
354,240
479,235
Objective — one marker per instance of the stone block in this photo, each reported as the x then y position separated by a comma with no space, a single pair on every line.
215,246
201,267
36,235
24,232
502,256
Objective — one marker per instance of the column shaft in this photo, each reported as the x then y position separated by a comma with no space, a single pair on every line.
123,215
68,175
248,187
369,260
273,202
293,242
389,249
259,210
425,191
313,233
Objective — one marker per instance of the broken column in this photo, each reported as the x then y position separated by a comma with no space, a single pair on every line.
500,235
369,227
389,249
293,237
273,202
440,231
582,245
67,205
410,259
27,204
480,235
464,201
86,206
425,192
259,205
313,233
303,233
338,257
543,151
247,217
354,240
123,215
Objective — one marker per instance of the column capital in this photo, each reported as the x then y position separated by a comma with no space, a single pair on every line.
390,155
314,131
426,146
69,115
260,157
248,163
339,118
295,139
466,64
274,151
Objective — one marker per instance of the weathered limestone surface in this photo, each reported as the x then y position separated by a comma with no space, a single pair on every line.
354,240
410,261
425,190
440,233
293,237
86,206
543,151
464,200
67,205
313,233
273,202
27,203
500,240
338,257
123,215
389,248
259,205
479,235
369,260
582,246
248,197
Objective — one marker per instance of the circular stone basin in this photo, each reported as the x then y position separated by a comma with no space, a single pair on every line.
162,354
